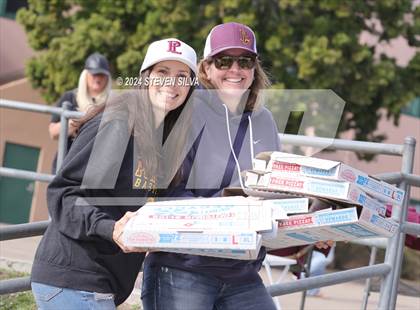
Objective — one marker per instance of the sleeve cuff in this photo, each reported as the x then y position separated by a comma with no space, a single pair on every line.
105,228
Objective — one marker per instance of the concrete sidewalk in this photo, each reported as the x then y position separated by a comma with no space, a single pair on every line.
19,254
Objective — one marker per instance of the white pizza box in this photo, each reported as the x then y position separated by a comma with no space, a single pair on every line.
336,225
292,164
222,213
147,237
283,207
320,188
222,253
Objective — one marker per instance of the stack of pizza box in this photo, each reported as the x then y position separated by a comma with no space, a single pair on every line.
362,200
227,227
218,226
275,214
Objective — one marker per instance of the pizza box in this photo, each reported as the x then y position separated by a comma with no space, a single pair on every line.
337,225
147,237
222,213
221,253
338,191
297,165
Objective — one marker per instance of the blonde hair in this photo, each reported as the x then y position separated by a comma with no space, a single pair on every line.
261,81
84,100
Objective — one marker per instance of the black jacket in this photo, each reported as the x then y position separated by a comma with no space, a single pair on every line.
77,250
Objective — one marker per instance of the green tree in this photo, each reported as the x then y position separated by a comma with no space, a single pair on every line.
305,44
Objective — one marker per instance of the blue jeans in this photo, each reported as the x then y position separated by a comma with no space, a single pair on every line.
49,297
167,288
319,265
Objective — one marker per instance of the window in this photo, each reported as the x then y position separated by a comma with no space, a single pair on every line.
413,108
8,8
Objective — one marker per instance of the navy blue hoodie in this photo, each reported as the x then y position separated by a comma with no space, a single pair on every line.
77,250
210,166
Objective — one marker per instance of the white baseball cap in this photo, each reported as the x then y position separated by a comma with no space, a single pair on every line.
170,49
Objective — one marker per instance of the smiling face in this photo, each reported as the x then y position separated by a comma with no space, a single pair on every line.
168,96
233,81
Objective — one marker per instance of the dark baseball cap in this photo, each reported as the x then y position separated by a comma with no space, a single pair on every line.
97,64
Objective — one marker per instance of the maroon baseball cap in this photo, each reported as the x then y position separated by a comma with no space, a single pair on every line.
230,35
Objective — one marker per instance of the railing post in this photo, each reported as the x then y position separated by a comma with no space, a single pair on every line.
406,167
395,249
372,260
62,141
307,275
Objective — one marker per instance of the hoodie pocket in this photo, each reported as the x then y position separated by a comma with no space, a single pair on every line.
55,249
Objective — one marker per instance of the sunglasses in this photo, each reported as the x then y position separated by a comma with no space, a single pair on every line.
225,62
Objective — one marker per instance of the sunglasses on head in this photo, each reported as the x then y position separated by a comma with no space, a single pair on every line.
225,62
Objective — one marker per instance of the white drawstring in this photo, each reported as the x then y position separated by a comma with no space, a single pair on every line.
238,167
251,138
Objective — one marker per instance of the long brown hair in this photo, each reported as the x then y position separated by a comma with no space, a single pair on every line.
135,106
261,81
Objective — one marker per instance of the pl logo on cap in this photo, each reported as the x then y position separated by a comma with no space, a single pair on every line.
172,46
245,39
170,49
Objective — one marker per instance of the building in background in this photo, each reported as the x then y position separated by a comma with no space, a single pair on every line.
25,144
409,123
24,140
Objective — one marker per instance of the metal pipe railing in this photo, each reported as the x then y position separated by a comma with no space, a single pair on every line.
15,285
62,140
39,108
407,166
411,179
394,252
390,177
373,242
26,175
397,177
329,279
30,107
341,144
410,228
72,114
307,275
372,260
17,231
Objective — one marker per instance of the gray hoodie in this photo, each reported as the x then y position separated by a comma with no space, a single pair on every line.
210,166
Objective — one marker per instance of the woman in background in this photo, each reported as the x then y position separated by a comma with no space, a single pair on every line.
93,89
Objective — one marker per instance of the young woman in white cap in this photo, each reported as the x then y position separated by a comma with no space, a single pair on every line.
112,167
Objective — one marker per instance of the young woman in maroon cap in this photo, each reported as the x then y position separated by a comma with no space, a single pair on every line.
229,125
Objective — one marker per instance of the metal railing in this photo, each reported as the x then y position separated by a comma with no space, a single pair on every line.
389,270
395,245
37,228
63,112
